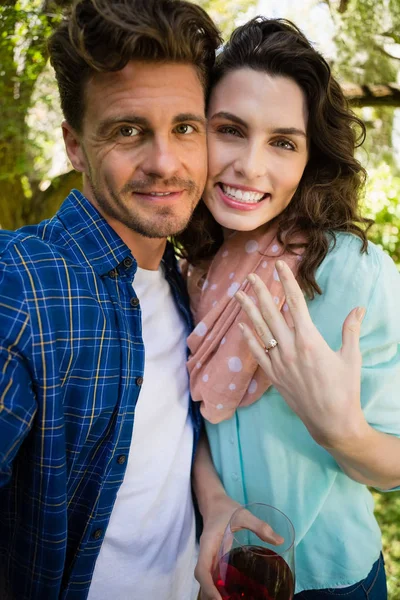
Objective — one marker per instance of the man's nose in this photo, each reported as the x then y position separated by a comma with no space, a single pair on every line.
162,159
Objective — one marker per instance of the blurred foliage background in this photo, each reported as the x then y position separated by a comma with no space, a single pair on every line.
361,39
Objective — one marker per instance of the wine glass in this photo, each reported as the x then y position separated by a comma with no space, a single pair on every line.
250,568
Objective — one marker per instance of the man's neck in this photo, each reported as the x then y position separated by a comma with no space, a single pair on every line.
147,252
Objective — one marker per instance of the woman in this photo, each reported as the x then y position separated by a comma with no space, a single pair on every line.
289,422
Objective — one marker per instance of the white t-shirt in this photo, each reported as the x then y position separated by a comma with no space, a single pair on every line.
149,549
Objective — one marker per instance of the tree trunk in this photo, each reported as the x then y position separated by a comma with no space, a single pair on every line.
44,205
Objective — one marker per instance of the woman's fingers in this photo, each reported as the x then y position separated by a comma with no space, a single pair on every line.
270,313
267,320
209,545
351,336
260,325
294,297
245,520
257,350
208,590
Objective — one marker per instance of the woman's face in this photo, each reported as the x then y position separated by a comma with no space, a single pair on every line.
257,147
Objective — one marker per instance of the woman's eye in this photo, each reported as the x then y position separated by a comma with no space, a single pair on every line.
285,144
128,131
184,129
228,130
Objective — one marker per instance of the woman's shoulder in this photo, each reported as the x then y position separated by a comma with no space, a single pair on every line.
348,278
352,269
347,246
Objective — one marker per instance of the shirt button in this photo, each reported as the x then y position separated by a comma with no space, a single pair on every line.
113,273
232,440
97,534
128,262
134,302
139,380
235,477
121,459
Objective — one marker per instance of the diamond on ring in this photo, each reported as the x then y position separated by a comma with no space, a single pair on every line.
271,344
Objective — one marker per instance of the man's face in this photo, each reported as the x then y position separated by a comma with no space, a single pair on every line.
143,146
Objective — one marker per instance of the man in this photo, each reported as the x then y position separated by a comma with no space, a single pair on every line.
96,430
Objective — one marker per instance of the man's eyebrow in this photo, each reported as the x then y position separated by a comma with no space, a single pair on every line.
143,122
129,119
235,119
182,117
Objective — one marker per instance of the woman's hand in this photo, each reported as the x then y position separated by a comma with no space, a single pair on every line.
211,538
210,541
321,386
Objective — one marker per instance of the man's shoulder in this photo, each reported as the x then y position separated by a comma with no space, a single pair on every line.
29,241
28,257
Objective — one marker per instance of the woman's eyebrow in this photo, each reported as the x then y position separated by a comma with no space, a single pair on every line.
229,117
235,119
290,131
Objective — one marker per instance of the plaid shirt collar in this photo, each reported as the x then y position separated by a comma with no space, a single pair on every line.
98,240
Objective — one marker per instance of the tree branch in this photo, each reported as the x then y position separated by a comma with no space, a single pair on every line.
385,52
372,95
392,34
43,205
343,6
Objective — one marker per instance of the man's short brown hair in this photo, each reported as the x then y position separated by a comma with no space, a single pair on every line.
104,35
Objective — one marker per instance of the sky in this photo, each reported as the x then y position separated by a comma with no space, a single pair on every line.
309,15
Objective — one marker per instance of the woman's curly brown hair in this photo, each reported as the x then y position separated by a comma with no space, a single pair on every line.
326,200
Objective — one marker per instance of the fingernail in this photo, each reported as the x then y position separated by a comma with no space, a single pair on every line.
241,326
251,278
280,264
239,296
360,313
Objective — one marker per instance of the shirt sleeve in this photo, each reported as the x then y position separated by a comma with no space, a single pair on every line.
17,400
380,339
371,280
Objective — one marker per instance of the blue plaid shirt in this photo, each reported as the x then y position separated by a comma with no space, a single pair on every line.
71,364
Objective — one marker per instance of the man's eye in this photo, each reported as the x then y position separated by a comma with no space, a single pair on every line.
184,129
128,131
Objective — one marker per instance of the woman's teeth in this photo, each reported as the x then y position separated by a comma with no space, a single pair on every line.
242,196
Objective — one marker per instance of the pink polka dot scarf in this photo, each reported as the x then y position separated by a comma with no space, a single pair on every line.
223,373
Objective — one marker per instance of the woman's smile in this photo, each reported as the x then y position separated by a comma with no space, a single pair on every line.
240,198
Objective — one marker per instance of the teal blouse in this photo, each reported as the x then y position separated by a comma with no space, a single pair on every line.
264,453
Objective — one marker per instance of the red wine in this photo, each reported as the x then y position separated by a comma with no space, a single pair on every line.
254,573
